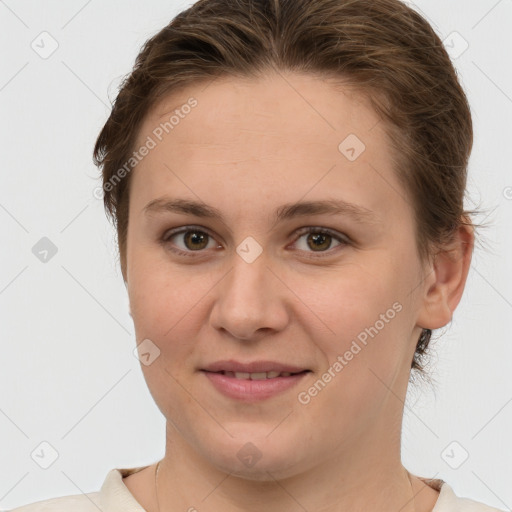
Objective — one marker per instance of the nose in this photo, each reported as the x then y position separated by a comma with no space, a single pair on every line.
251,301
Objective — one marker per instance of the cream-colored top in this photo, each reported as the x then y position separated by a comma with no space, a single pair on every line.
114,496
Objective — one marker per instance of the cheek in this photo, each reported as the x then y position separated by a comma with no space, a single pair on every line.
166,312
159,294
364,354
169,307
350,297
163,311
360,314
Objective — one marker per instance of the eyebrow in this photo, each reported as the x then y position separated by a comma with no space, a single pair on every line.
285,212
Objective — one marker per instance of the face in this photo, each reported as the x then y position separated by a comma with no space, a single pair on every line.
331,292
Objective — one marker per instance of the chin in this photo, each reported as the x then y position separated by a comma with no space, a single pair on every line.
261,472
260,460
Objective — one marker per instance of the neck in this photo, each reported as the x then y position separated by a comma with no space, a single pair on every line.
371,479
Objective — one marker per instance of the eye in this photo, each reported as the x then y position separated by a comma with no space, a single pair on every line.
194,240
319,238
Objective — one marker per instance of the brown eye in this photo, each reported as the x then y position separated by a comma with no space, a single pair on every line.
195,240
319,240
186,241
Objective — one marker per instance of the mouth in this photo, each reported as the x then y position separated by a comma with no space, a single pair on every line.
251,387
257,375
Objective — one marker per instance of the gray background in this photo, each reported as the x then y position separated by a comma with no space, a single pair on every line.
68,373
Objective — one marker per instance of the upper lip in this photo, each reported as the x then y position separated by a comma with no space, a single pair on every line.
252,367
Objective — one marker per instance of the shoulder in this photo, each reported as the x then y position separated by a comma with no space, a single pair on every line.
448,501
468,505
75,503
113,496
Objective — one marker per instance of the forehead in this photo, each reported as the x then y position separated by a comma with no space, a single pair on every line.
281,134
272,104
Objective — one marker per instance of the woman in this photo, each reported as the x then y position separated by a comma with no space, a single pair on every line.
287,182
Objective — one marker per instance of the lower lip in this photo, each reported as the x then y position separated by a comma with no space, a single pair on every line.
249,391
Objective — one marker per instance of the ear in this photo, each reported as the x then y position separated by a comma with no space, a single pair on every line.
446,279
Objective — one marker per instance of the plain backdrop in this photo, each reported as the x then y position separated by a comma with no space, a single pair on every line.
72,394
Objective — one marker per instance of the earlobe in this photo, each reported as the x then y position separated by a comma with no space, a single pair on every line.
443,290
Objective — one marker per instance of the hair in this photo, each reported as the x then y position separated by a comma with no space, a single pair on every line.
381,48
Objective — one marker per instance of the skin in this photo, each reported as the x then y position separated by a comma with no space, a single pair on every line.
247,148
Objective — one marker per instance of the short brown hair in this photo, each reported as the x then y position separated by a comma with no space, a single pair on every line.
382,48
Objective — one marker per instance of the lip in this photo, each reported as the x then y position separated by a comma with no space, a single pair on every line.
249,391
253,367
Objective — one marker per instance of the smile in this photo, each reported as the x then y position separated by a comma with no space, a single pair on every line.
253,387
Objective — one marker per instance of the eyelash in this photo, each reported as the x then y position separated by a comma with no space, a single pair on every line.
343,239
